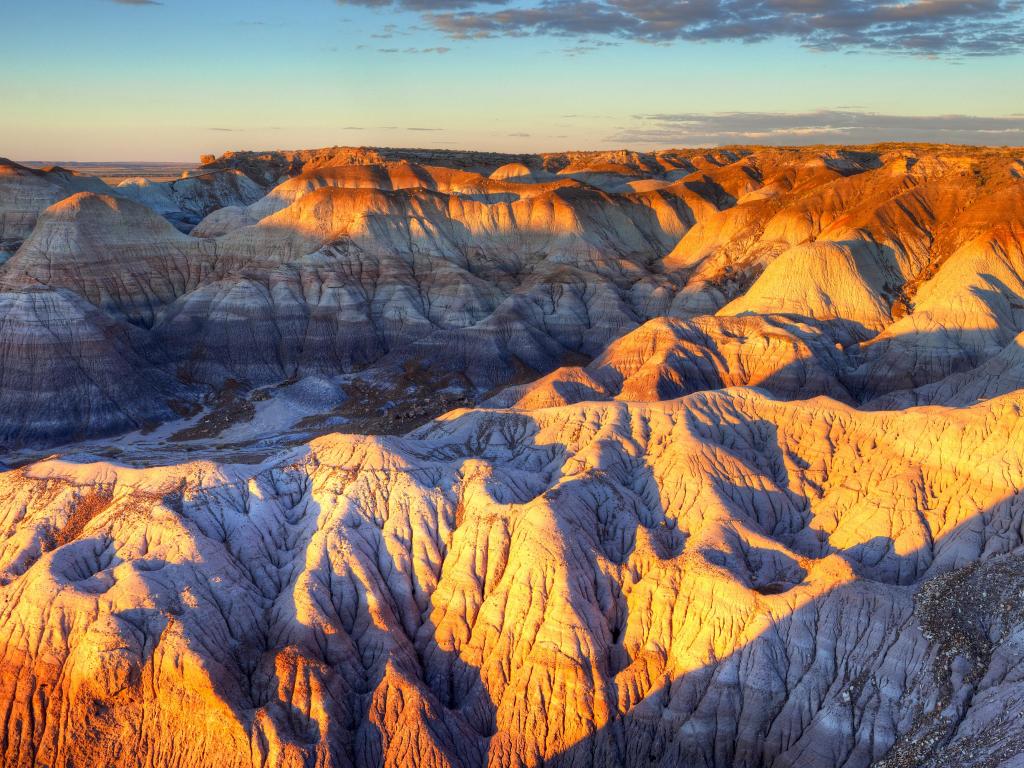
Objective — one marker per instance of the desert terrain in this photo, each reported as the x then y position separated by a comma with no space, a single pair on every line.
364,456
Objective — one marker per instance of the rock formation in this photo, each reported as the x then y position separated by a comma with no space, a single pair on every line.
721,579
186,201
59,348
26,192
117,254
703,458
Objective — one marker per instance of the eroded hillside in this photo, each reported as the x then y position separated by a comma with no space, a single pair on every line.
684,458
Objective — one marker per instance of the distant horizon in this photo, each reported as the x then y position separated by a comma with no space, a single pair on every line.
410,148
170,80
493,383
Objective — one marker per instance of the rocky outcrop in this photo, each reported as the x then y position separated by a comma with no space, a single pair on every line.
68,370
373,259
877,272
521,173
963,316
719,580
667,358
706,525
825,281
275,166
26,192
186,201
117,254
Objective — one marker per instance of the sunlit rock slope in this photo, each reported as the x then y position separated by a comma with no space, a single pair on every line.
876,273
690,458
718,580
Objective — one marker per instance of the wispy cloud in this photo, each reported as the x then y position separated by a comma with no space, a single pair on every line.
920,27
404,128
422,5
440,49
394,30
818,127
584,47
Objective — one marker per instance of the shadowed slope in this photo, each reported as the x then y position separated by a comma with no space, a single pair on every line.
854,273
113,252
719,580
25,192
188,200
56,347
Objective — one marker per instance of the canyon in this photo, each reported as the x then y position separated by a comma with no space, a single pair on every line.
370,456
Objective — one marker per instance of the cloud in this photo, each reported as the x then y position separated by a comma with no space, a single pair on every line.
588,46
440,49
251,128
422,5
520,135
404,128
920,27
818,127
394,30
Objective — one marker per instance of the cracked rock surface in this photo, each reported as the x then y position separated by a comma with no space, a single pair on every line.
875,277
733,477
722,579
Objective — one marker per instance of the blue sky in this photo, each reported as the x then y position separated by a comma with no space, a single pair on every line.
106,80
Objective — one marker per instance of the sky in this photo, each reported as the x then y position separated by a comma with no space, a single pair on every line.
104,80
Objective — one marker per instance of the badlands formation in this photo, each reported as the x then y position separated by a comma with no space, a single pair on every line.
358,457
